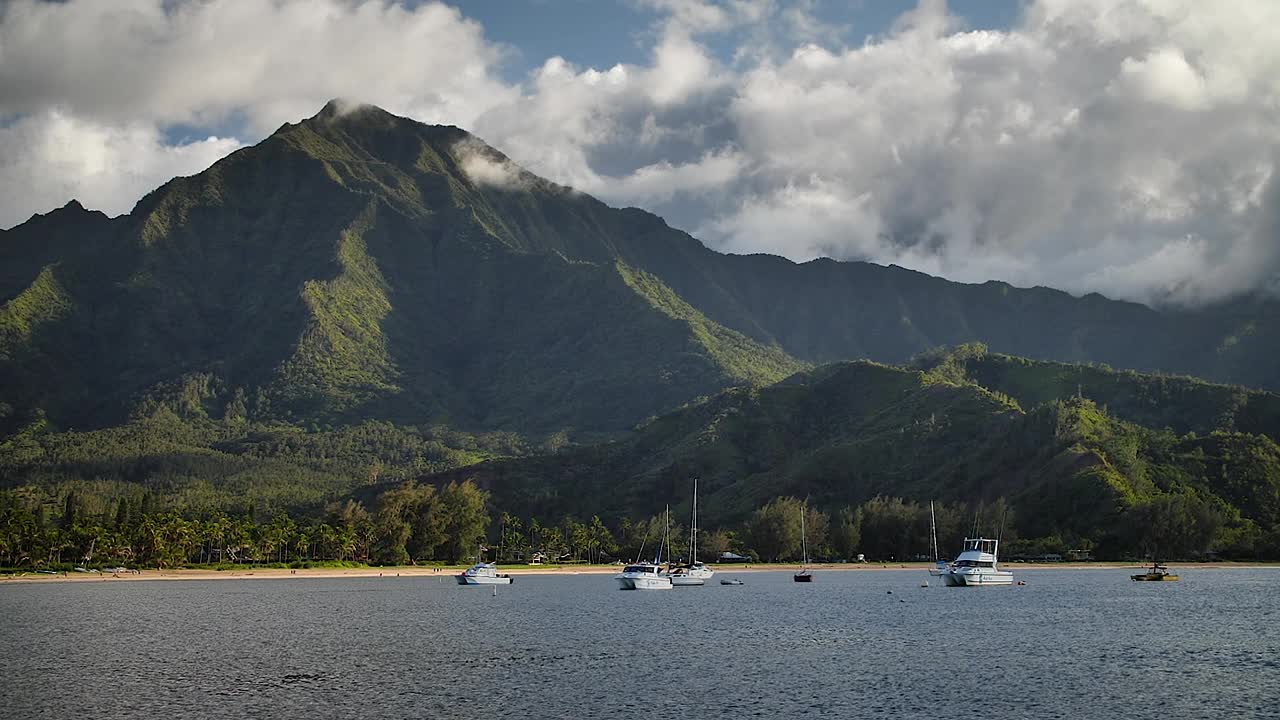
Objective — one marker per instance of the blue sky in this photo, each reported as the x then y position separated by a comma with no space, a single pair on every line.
602,33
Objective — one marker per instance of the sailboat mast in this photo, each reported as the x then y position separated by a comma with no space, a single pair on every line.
804,543
933,531
693,526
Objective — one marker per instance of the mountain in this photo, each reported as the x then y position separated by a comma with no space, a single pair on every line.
361,299
359,265
346,268
1081,464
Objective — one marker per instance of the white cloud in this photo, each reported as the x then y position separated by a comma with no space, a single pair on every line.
486,167
1123,146
110,77
51,157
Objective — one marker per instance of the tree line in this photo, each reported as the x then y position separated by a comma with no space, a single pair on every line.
420,523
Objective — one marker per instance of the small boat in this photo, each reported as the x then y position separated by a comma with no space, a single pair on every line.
804,575
1155,573
734,581
694,573
684,575
647,575
976,565
483,573
643,576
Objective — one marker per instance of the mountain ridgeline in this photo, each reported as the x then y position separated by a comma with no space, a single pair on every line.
349,267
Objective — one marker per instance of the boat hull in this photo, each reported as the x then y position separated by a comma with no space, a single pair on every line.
1153,577
802,577
965,579
481,580
686,581
643,582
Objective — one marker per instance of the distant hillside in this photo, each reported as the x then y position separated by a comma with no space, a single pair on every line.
846,433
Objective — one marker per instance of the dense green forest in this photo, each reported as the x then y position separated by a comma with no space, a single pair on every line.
419,524
861,442
841,435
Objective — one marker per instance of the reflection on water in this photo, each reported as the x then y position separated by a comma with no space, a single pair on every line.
1070,644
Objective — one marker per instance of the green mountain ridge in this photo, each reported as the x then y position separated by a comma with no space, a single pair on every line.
325,284
847,433
349,268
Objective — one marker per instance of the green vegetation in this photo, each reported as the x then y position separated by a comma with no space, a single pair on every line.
341,309
846,434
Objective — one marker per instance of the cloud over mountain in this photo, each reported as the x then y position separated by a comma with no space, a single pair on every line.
1125,147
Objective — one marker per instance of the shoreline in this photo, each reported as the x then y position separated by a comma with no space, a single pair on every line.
450,571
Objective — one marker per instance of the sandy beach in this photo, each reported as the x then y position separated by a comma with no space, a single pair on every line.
447,573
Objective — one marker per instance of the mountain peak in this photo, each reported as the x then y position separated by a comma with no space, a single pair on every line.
341,108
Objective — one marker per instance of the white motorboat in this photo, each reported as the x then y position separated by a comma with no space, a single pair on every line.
976,565
695,573
644,576
483,573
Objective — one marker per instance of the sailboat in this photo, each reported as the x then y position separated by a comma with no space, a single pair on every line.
939,565
644,575
804,575
695,572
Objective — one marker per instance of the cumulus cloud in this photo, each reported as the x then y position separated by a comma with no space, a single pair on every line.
50,157
1121,146
483,166
113,77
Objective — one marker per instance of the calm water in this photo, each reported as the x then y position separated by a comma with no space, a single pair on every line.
1070,644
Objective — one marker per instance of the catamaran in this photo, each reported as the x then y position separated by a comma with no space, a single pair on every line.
644,575
976,565
695,572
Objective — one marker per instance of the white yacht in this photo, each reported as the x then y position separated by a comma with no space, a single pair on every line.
644,576
483,573
976,565
695,573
